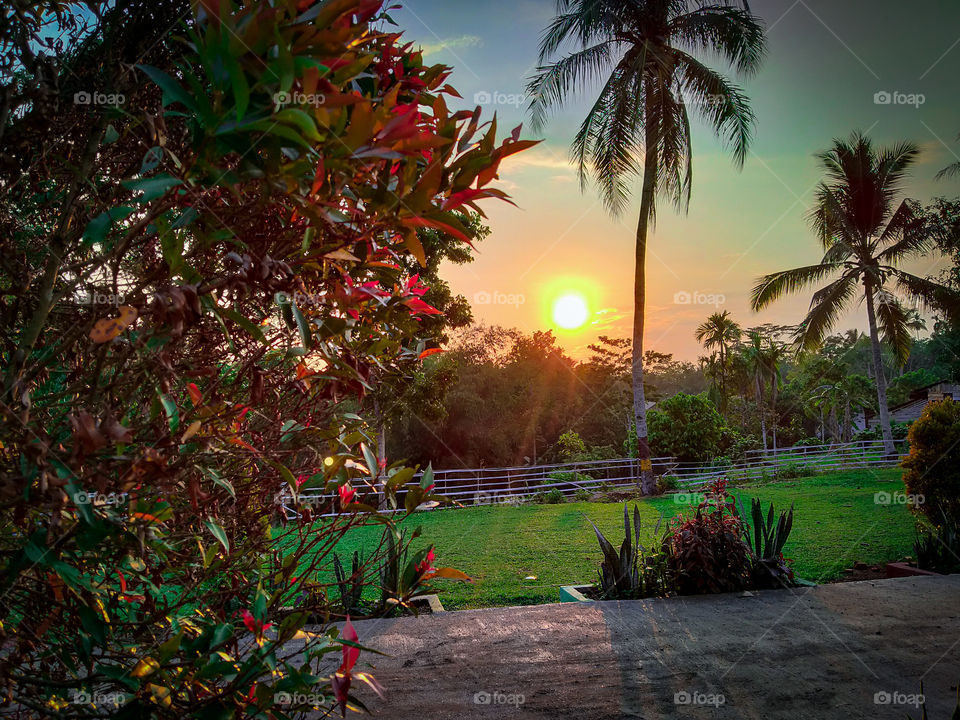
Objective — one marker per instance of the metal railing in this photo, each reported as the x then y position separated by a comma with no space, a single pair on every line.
505,485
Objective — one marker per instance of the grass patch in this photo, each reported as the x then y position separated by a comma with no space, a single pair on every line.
836,522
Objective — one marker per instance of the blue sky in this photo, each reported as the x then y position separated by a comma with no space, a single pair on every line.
828,60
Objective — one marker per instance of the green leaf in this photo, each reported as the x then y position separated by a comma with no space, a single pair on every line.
173,414
153,187
300,119
245,323
172,90
218,532
151,159
111,135
302,325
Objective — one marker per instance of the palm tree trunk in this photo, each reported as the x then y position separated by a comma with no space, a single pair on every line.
763,422
650,169
846,421
885,430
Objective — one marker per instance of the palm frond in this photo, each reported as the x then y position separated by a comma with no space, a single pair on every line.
550,87
892,319
719,102
734,33
771,288
908,225
926,293
825,309
949,171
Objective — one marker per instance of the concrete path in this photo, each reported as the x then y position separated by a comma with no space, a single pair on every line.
852,650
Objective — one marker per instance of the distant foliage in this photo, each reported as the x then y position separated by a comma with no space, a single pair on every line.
687,427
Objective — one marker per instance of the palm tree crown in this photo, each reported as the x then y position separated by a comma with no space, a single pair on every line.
645,50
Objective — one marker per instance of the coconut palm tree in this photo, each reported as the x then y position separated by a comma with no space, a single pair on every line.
719,332
865,234
645,54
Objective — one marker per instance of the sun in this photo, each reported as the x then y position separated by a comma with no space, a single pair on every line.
570,311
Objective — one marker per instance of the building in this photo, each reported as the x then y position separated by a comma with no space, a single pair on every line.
910,410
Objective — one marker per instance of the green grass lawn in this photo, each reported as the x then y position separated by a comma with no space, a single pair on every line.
836,523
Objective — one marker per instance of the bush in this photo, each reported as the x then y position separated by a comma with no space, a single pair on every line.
707,553
933,465
938,548
687,427
554,497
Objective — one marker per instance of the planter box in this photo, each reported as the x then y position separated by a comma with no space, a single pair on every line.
575,593
901,569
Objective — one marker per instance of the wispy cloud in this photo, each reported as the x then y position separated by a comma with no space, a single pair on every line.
462,41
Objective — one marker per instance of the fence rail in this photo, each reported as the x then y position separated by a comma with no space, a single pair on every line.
489,486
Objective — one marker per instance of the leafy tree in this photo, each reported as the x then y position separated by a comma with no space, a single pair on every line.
687,427
719,332
645,54
157,393
865,236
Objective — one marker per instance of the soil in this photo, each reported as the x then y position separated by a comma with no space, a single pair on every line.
862,571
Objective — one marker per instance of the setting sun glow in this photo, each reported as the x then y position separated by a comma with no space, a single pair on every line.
570,311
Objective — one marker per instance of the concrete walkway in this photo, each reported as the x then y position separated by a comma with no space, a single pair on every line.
852,650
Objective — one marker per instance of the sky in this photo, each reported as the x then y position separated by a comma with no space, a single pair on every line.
828,66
